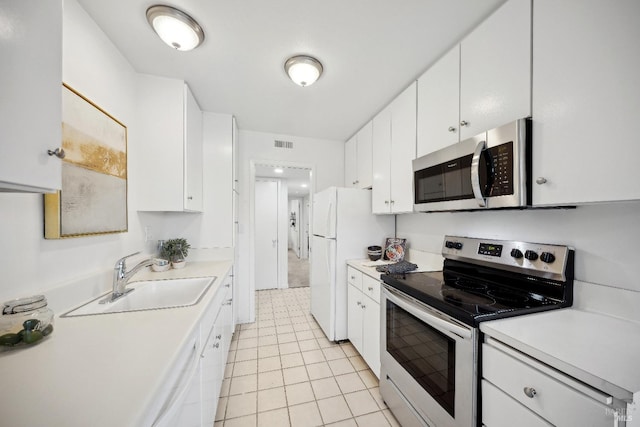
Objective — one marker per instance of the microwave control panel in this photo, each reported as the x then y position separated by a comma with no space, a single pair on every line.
500,160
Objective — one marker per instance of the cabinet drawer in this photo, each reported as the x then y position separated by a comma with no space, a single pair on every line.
500,410
371,288
559,399
354,277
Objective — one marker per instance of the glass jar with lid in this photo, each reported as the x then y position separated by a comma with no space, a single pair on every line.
25,321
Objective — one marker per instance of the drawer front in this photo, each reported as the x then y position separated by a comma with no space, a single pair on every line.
371,288
553,400
354,277
500,410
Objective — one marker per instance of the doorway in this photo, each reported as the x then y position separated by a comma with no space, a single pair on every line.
281,244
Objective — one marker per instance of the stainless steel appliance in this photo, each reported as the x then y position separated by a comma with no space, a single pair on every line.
490,170
429,327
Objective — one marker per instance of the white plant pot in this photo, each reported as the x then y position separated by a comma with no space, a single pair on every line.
178,265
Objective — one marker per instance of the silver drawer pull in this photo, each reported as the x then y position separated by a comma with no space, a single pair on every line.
218,336
353,277
216,345
530,392
358,303
370,288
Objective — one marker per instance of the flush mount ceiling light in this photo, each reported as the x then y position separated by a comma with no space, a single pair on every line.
175,28
278,170
303,70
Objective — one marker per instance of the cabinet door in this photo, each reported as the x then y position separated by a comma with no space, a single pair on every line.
31,100
354,317
351,162
403,150
495,69
439,104
193,153
585,101
381,191
364,153
371,334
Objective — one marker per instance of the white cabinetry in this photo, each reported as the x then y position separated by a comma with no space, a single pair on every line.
495,70
482,83
394,147
585,101
363,317
193,400
31,100
358,152
537,395
439,104
170,146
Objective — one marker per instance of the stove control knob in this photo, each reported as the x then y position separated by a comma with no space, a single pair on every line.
547,257
531,255
457,245
449,244
516,253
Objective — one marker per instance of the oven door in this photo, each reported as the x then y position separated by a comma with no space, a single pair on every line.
428,364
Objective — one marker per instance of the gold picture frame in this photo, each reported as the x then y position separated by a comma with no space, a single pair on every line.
93,199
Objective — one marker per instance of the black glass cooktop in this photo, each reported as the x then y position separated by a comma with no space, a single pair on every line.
473,294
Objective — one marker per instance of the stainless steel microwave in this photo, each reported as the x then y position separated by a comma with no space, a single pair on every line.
490,170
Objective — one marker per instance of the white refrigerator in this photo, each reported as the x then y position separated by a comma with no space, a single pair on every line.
342,227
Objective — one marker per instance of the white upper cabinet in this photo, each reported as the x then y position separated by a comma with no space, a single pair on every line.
480,84
357,153
31,95
394,148
439,104
351,162
495,70
586,96
170,166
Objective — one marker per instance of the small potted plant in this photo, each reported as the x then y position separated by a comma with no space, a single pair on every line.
176,250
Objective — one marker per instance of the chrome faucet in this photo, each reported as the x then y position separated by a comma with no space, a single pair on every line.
121,277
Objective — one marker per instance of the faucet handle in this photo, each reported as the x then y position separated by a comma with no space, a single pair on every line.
121,262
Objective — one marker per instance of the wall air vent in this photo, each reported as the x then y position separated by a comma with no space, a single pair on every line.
282,144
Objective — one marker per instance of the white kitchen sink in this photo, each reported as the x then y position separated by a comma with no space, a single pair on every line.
150,295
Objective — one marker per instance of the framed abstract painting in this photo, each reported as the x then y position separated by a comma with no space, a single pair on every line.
93,199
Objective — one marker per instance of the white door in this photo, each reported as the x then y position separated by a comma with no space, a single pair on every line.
266,244
323,283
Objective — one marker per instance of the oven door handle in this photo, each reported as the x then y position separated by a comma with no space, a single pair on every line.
475,174
424,312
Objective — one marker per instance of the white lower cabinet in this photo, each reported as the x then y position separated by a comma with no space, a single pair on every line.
363,317
192,396
518,389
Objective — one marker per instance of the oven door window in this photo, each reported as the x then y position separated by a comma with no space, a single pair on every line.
426,353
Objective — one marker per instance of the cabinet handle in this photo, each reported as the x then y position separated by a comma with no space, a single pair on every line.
386,202
58,152
358,302
363,306
228,285
530,392
216,345
393,201
464,123
228,302
370,288
218,336
190,198
541,180
353,277
452,129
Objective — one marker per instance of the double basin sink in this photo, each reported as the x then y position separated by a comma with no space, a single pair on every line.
150,295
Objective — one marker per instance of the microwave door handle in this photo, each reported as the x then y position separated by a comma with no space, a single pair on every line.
475,174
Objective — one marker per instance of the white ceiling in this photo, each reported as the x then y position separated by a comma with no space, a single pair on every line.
298,179
370,49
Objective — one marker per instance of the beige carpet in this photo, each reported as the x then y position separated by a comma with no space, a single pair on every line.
298,271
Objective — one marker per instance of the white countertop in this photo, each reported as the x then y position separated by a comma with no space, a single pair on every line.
102,370
600,350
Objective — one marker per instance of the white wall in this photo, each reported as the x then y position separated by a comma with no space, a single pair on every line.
30,264
325,157
606,237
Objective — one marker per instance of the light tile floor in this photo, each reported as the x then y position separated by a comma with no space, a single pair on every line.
282,371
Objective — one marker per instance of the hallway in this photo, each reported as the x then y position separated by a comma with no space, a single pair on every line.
298,270
282,371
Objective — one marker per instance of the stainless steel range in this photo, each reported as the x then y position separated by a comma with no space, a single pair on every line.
430,335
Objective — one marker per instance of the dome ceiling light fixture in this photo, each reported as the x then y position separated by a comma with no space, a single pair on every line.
303,70
175,28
